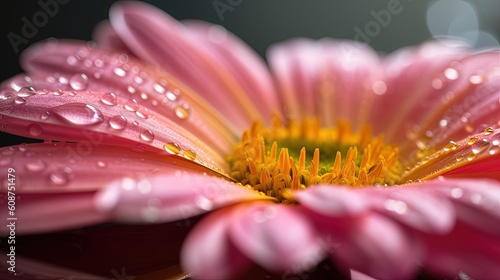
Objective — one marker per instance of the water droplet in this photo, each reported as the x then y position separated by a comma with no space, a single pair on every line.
58,92
101,164
34,130
79,114
147,135
61,177
5,160
138,80
144,186
142,113
63,80
131,105
480,147
172,148
494,150
443,123
136,123
79,82
45,115
451,73
182,111
170,96
158,88
118,122
488,131
35,166
204,203
109,99
19,100
475,79
189,155
379,87
397,206
469,127
456,193
451,146
437,84
131,89
6,94
71,60
476,198
144,96
20,82
472,140
26,92
119,72
471,156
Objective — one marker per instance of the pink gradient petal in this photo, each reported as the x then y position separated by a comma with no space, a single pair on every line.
411,73
464,250
294,66
128,78
157,38
55,183
477,202
415,207
106,37
169,196
246,66
208,252
378,247
83,117
336,201
276,237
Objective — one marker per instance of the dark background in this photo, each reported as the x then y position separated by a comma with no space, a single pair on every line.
263,22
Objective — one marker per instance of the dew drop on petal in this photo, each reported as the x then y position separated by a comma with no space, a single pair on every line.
397,206
182,111
147,135
79,82
170,96
60,177
158,88
471,156
35,166
19,100
172,148
58,92
480,147
476,198
5,161
131,89
204,203
34,130
120,72
45,115
443,123
101,164
451,146
379,87
71,60
109,99
138,80
26,92
456,193
20,82
451,73
78,114
142,113
144,96
131,105
191,155
475,79
6,94
494,150
118,122
437,84
488,131
472,140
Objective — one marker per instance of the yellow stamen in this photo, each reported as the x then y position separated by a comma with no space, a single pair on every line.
335,156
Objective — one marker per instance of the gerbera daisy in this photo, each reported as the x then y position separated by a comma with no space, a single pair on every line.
384,165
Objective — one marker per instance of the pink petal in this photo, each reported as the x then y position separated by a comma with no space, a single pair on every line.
106,37
247,67
208,252
477,202
334,201
378,247
128,78
169,196
464,250
276,237
411,73
85,118
415,207
55,184
159,39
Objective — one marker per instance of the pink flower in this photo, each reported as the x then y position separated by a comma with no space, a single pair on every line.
153,117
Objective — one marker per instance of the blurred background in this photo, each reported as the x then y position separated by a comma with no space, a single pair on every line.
385,25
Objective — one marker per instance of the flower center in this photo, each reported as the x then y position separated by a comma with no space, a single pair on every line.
281,159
